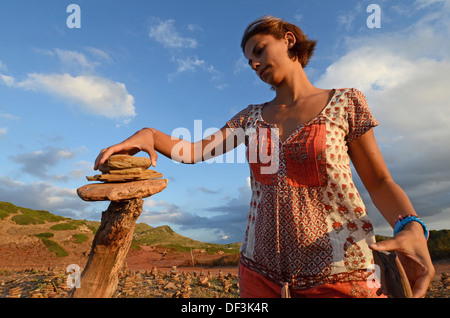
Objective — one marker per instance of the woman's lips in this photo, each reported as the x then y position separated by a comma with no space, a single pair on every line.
263,71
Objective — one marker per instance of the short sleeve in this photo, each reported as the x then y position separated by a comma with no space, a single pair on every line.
240,120
360,119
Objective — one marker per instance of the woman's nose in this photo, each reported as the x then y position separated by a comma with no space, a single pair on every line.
255,65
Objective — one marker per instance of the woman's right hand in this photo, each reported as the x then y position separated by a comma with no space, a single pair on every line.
140,141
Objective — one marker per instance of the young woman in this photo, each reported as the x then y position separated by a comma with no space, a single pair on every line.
307,234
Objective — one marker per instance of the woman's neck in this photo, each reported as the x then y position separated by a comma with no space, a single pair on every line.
294,88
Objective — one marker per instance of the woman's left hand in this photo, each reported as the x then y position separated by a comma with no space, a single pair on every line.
411,248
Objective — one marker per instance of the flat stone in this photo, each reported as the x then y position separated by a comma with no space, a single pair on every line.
117,162
129,171
144,175
121,191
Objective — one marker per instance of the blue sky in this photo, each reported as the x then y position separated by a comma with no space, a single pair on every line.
66,93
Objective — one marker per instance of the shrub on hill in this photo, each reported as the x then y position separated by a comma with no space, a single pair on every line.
80,238
45,235
439,244
54,247
64,227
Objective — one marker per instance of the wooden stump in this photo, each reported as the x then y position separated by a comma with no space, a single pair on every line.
109,250
393,277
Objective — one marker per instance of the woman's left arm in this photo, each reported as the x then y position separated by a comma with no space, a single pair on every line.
410,244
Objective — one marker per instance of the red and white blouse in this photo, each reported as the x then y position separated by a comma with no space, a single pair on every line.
307,224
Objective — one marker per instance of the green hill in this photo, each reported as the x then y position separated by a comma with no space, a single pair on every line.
439,244
144,234
25,216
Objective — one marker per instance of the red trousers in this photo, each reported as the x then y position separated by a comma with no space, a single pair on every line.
254,285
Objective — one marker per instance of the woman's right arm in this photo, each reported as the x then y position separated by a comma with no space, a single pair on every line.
152,141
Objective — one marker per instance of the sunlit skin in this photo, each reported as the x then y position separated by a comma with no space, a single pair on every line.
297,101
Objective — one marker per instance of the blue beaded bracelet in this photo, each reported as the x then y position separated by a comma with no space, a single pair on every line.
402,221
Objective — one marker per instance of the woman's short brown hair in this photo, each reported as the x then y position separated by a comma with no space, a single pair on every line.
303,48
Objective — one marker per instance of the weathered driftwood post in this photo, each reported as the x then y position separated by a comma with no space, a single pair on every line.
393,277
127,182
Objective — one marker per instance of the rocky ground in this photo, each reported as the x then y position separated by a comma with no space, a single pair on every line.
156,283
440,288
440,285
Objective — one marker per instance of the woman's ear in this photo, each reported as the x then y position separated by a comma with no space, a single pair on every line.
290,39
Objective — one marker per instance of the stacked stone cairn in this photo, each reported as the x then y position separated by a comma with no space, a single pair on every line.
125,168
123,178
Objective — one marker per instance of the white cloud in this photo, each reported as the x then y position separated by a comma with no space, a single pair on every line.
9,116
194,27
3,132
100,54
207,191
420,4
166,34
7,80
45,196
39,163
162,212
82,169
93,94
345,19
3,67
241,65
77,61
192,64
69,57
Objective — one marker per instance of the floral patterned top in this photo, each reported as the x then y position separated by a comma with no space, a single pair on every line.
307,224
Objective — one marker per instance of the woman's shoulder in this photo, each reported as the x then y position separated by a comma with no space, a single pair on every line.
248,114
348,90
249,109
350,96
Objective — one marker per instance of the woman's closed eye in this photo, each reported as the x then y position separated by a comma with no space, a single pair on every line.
258,51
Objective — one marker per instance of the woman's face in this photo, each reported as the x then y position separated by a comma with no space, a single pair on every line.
269,57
